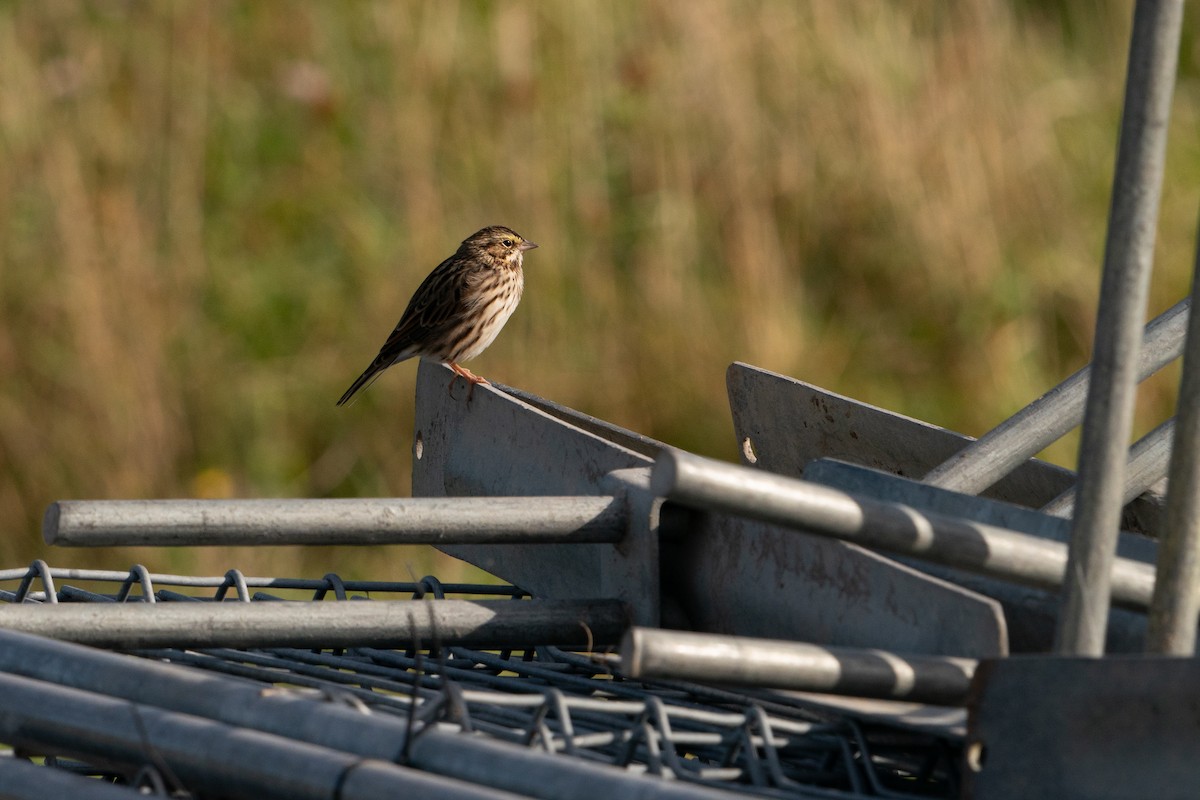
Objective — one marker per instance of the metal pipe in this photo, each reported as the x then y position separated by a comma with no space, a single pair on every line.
207,757
708,658
201,693
823,511
381,623
366,521
1047,419
1175,608
23,780
1147,465
243,704
1128,258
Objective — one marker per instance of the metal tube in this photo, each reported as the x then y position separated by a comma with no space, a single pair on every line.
1147,465
367,521
708,658
1047,419
22,780
1128,258
376,736
208,758
820,510
1175,609
200,693
382,623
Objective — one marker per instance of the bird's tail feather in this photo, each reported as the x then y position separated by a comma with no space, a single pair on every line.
363,381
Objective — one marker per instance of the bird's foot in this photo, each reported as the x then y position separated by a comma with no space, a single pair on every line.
472,379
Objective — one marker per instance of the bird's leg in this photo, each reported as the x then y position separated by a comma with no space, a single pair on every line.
471,377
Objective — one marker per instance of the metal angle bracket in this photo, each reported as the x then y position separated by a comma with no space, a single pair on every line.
497,444
782,424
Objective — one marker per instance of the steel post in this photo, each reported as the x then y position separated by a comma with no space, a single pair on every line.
1128,258
1175,609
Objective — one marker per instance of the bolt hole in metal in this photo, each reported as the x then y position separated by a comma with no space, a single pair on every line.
748,451
418,446
976,754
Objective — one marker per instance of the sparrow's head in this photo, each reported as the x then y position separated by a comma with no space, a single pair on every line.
500,244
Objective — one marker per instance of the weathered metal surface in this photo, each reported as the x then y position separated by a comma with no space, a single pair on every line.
1065,728
476,623
342,521
785,423
745,661
1031,613
497,444
729,574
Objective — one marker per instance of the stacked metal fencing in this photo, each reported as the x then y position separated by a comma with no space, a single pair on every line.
867,606
534,720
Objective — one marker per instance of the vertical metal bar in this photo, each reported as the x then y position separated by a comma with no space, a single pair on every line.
1128,256
1047,419
1175,607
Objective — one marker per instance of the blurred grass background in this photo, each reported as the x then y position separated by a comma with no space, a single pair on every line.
212,213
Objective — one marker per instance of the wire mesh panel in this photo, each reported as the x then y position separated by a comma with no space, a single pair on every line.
573,707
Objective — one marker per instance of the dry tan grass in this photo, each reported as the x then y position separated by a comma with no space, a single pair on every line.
211,214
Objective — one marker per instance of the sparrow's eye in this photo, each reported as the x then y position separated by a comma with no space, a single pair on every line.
507,242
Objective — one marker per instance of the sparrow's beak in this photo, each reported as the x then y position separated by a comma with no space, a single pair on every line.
523,246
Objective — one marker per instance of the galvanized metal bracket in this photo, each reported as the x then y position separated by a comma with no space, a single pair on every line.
497,444
783,423
711,572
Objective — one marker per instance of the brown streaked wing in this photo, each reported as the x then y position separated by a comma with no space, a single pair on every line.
436,302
